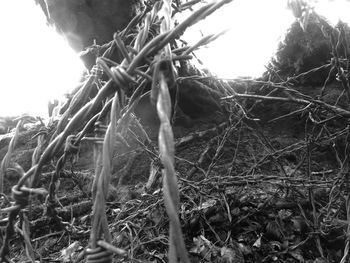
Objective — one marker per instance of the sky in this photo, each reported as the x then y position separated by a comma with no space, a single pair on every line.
37,64
254,29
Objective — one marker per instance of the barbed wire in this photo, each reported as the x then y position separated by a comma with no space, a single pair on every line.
82,114
160,89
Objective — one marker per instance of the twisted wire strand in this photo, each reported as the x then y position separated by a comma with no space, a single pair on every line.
6,160
91,111
103,155
21,195
98,255
79,119
99,228
71,148
102,179
177,248
148,21
41,138
90,108
25,233
100,131
78,100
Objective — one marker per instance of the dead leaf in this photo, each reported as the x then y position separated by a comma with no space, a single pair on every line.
68,253
230,255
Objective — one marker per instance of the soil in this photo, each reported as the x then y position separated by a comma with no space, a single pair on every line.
259,179
263,190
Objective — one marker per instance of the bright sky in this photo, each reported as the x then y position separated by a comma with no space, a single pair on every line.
38,65
255,26
255,29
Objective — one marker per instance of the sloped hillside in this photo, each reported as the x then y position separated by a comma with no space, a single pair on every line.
152,160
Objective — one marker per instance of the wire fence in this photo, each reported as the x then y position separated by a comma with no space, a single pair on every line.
111,103
110,113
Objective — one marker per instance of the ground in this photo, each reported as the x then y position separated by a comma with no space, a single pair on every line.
266,190
261,168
